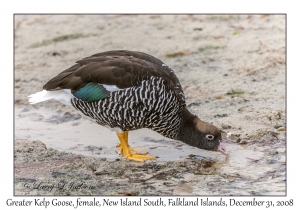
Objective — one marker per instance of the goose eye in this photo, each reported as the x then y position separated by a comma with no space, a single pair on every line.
209,137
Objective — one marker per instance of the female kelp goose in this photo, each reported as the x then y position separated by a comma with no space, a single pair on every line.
125,90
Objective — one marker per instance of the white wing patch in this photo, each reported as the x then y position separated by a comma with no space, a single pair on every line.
110,88
64,96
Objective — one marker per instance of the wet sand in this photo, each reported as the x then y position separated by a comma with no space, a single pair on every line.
232,69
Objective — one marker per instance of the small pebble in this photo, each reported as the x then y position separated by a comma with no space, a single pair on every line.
281,129
225,126
243,142
272,161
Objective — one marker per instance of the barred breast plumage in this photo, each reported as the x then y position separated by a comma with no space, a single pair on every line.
126,90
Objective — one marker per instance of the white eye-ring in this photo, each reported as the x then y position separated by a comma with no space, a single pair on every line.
209,137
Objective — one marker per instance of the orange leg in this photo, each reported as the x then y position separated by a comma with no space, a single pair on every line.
131,150
128,152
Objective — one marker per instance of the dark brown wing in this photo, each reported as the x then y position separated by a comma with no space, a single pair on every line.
121,68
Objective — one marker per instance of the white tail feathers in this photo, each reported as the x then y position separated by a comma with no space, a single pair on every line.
63,96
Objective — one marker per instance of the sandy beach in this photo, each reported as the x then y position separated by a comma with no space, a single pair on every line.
232,70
